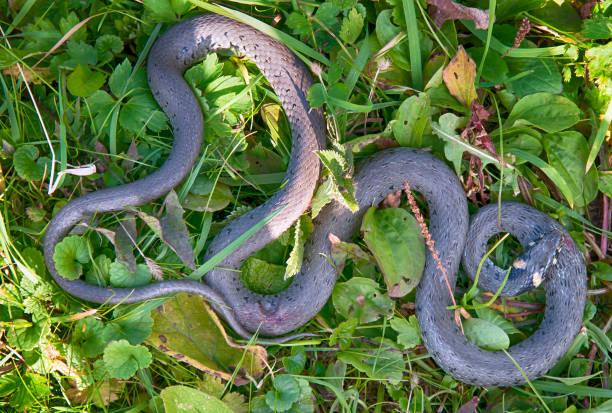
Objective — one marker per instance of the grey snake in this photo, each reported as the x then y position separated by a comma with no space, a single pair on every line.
559,264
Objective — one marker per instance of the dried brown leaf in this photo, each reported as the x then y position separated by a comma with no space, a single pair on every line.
444,10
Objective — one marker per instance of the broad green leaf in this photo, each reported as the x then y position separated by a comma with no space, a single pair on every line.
550,171
200,198
122,359
99,274
304,404
161,10
396,241
485,334
186,319
261,159
561,14
69,255
24,335
352,24
408,331
174,231
32,388
379,364
567,153
386,32
28,165
80,54
118,81
100,104
140,111
602,270
546,111
121,277
204,72
459,77
360,298
296,362
8,57
439,96
84,81
286,392
494,68
263,277
133,326
532,75
487,314
179,399
87,333
412,120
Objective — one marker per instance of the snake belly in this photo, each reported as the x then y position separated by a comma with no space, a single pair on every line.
274,315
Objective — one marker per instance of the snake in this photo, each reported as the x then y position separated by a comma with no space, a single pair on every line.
551,256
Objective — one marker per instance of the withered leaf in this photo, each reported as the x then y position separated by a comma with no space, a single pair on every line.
444,10
459,77
174,231
186,328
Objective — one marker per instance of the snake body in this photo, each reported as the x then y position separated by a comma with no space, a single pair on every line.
277,314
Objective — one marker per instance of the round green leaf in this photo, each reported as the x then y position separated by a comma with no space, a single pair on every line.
84,81
69,254
286,392
546,111
26,165
122,359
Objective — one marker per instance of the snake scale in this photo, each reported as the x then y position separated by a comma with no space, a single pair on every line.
555,258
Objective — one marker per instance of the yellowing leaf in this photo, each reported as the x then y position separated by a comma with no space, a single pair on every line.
459,77
187,329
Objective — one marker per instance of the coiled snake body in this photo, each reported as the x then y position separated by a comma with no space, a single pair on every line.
277,314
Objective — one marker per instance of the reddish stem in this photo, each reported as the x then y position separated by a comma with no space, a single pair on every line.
606,225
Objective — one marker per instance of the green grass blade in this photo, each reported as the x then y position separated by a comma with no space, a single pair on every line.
529,382
225,252
576,390
492,6
503,49
600,136
414,44
11,113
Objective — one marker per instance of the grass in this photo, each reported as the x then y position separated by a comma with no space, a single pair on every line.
58,353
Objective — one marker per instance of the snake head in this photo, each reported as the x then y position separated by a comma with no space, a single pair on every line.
533,264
